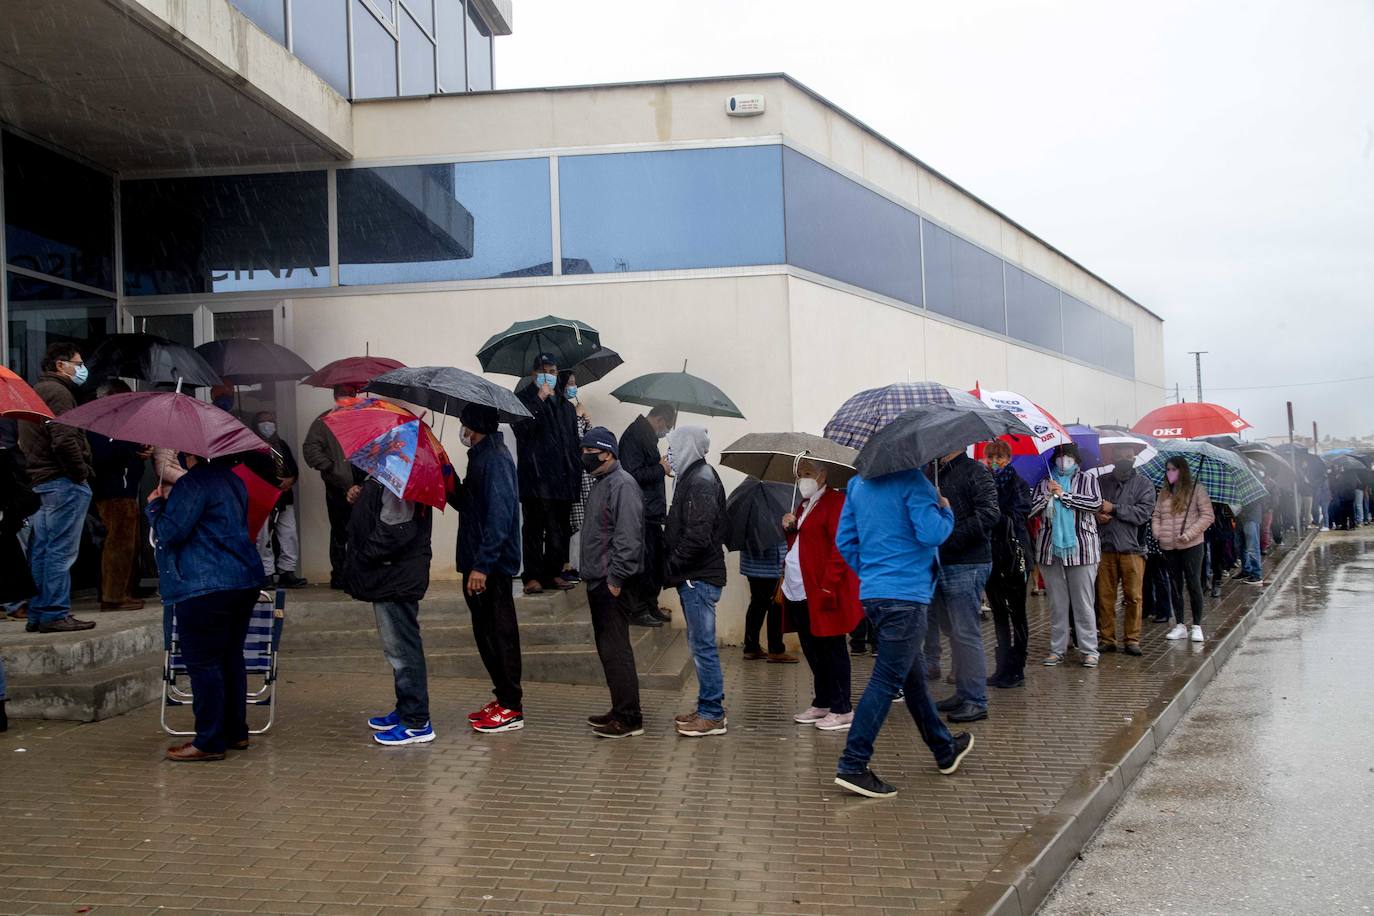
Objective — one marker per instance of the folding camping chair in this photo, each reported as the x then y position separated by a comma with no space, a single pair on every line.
259,657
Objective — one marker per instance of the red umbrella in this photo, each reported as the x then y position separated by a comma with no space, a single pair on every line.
1187,421
352,371
394,446
167,420
19,401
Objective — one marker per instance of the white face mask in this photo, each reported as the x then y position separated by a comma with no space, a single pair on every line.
465,437
267,429
1066,464
808,487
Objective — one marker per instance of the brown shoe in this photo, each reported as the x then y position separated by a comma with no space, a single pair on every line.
239,745
697,727
533,588
129,604
753,655
19,613
562,584
189,753
617,729
781,658
68,624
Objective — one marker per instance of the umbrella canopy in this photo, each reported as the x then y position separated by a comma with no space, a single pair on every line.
351,371
1034,468
923,434
448,390
246,361
592,369
774,456
150,358
1343,460
1187,421
395,447
754,514
1226,441
262,497
869,411
686,392
1225,474
514,350
1276,467
19,401
165,419
1142,448
1047,431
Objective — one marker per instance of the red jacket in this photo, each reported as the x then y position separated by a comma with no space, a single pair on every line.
832,588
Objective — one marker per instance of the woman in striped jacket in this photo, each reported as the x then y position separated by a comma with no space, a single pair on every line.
1068,550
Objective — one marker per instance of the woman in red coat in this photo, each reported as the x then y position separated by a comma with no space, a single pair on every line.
821,597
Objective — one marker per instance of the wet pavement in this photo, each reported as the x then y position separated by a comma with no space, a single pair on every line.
1260,800
315,818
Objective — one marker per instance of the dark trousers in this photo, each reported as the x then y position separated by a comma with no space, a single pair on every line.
336,504
1157,601
761,607
828,657
211,631
545,531
498,637
1007,598
645,588
863,636
611,625
121,543
1185,571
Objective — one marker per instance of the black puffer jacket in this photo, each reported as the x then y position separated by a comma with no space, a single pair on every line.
640,458
695,534
972,495
549,457
388,547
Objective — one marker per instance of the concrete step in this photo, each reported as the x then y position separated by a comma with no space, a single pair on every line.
116,639
98,692
438,634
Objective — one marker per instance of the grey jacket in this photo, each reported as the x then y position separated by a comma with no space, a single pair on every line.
613,529
1133,503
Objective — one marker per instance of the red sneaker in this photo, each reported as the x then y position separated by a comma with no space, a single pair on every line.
500,719
483,712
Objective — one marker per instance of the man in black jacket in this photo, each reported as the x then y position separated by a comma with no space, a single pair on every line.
388,564
279,542
550,473
1128,502
695,564
965,562
640,458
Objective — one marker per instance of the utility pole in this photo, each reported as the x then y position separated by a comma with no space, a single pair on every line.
1314,437
1197,359
1298,526
1178,396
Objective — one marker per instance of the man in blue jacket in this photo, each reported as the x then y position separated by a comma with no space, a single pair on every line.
890,531
488,504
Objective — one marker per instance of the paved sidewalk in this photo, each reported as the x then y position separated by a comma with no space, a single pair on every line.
315,818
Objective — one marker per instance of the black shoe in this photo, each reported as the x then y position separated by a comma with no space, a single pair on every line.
1009,681
1106,647
291,580
968,712
645,619
1161,618
617,729
858,650
600,721
337,585
1216,591
4,718
1132,649
866,784
950,703
659,614
31,626
68,624
963,743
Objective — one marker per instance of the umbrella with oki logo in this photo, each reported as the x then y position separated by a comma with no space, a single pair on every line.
1188,421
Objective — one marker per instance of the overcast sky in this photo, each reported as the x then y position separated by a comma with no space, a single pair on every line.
1213,160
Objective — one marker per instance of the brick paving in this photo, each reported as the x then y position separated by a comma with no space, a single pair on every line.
316,818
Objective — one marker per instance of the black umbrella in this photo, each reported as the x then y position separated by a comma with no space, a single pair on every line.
930,431
1276,467
246,361
150,358
592,369
513,351
754,512
447,390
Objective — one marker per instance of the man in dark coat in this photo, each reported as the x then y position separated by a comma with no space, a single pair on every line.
550,475
117,470
322,452
640,458
1128,502
388,564
279,542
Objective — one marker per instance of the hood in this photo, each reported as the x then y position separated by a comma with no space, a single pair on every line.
686,446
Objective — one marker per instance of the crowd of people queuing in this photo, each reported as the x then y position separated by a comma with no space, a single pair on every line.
895,565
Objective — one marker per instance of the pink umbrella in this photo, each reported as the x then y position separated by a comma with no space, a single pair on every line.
165,419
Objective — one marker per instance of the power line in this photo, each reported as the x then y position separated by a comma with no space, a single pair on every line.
1331,381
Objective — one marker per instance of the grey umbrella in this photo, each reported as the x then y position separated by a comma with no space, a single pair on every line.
447,390
754,514
925,433
774,456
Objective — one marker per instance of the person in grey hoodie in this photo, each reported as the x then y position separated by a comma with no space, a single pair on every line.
612,555
1128,502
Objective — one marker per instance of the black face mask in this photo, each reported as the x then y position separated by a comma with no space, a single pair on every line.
591,462
1122,469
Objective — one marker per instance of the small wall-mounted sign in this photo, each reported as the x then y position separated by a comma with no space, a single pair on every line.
744,106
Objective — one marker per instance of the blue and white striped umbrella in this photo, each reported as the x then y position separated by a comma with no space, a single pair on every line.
1224,474
869,411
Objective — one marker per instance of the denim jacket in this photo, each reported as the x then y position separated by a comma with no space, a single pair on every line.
201,535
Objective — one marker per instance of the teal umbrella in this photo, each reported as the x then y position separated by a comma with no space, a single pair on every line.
1223,473
688,393
514,350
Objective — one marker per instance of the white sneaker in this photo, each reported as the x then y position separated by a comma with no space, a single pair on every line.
1195,633
811,715
836,722
1178,632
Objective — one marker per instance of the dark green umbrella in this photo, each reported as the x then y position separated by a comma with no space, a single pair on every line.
688,393
922,434
592,369
514,350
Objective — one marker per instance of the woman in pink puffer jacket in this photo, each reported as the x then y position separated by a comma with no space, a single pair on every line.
1183,513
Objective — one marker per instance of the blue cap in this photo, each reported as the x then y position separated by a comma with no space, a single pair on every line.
601,439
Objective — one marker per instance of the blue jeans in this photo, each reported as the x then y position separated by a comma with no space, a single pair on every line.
957,599
398,623
699,609
899,629
54,545
1250,563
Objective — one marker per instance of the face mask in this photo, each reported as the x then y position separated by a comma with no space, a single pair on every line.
591,462
545,378
1066,465
267,429
570,391
672,464
465,437
1171,475
79,377
808,487
225,403
662,433
1122,469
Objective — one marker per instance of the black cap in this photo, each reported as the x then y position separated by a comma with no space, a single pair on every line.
601,439
480,418
544,359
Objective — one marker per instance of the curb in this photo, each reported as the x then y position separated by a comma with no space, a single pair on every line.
1026,874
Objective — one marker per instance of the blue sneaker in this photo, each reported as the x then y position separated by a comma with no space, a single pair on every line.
384,723
402,735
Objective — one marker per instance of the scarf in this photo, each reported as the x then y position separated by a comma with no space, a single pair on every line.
1064,525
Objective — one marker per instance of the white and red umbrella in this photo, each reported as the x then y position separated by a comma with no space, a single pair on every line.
1189,421
1048,432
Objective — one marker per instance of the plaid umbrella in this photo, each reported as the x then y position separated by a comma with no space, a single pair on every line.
869,411
1224,474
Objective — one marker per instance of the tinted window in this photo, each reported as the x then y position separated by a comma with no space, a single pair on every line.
1118,346
1033,310
42,313
269,15
962,280
59,216
479,53
225,233
423,11
408,224
319,37
417,59
675,209
374,56
839,228
1083,330
452,25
